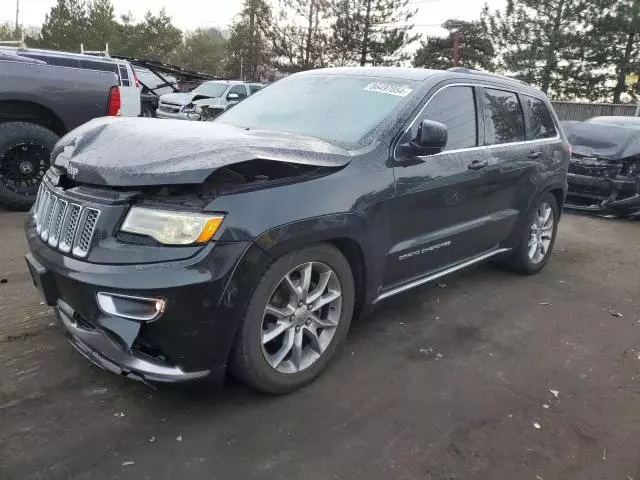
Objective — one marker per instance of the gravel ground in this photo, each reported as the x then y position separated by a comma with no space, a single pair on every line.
444,382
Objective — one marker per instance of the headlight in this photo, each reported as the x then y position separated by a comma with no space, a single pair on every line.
197,109
172,228
189,108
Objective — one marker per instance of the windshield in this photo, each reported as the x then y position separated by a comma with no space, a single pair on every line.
630,122
211,89
343,110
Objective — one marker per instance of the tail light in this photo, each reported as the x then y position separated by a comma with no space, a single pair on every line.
113,108
570,151
135,77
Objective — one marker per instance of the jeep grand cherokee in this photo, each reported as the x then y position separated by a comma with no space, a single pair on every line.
171,250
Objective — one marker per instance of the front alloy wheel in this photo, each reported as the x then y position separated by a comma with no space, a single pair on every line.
301,317
296,318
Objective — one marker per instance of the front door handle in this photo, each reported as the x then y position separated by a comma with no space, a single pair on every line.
478,164
533,155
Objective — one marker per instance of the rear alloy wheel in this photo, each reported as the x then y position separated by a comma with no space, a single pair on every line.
536,239
297,317
541,233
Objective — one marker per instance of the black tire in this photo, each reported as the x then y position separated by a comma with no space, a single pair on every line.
147,111
519,261
248,363
23,145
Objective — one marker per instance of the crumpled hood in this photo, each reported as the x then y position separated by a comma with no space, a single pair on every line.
143,151
606,142
177,98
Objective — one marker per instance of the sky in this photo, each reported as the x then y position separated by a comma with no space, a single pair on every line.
191,14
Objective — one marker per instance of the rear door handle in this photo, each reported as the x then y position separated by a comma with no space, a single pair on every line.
533,155
478,164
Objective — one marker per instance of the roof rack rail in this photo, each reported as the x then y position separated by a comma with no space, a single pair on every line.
480,72
104,53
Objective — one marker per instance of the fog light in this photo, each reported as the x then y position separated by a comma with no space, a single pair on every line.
131,307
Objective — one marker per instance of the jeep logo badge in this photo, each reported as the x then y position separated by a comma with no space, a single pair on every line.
72,171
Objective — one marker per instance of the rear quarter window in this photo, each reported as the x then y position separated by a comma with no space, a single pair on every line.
540,119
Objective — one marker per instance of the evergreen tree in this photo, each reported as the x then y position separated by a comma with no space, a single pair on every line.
614,42
65,27
299,42
102,27
248,48
371,31
475,48
542,42
204,50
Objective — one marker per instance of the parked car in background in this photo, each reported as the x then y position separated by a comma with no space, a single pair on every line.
604,172
251,240
217,95
158,78
43,95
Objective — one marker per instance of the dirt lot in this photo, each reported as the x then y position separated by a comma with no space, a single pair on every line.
444,382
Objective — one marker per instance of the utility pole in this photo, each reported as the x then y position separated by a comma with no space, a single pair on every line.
17,16
456,50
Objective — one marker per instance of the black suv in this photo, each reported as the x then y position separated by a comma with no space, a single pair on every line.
173,249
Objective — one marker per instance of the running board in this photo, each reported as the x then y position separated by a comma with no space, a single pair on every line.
441,273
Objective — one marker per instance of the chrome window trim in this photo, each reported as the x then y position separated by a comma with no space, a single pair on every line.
478,147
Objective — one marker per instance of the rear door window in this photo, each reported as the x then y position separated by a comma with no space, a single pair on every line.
456,108
504,118
540,119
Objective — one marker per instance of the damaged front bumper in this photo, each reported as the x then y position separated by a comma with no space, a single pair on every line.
106,352
603,188
188,339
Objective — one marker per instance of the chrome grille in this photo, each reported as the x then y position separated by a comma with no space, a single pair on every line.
56,222
69,227
66,226
88,220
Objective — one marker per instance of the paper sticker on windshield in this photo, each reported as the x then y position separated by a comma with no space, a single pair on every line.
389,89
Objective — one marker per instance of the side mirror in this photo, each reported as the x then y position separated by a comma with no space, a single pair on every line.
233,96
431,138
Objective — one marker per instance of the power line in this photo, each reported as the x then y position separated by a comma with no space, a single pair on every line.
400,25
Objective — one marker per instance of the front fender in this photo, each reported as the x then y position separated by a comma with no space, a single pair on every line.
349,232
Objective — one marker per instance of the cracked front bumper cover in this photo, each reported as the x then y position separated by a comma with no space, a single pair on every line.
603,195
103,351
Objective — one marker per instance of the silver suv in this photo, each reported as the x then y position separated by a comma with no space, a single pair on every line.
216,94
